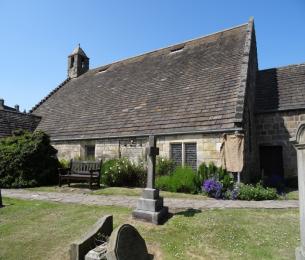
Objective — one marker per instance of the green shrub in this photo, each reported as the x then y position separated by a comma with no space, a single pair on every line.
211,171
183,179
164,166
207,171
257,192
123,172
64,163
27,159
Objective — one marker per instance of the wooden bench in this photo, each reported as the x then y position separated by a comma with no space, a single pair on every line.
80,171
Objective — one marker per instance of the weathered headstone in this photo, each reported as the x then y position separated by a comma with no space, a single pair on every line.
101,230
126,243
299,144
150,207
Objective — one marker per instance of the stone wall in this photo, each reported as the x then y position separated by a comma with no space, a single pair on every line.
251,169
208,147
68,150
275,129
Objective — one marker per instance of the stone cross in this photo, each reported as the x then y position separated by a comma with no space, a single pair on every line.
152,152
150,206
299,144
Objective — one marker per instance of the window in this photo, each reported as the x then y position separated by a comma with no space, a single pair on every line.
83,63
190,157
89,152
72,62
184,154
176,153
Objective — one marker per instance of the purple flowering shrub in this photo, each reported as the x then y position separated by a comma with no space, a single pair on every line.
213,188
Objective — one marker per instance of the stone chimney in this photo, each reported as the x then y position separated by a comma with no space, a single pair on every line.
17,108
78,63
1,103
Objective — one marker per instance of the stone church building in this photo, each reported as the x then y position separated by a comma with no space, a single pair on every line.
189,95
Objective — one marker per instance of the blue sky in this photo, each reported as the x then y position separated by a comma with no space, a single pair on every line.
37,36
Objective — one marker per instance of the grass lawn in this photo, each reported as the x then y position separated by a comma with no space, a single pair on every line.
116,191
44,230
292,195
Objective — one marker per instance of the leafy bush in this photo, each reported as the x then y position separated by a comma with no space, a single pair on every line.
231,194
164,166
27,159
257,192
123,172
183,179
275,181
64,163
207,171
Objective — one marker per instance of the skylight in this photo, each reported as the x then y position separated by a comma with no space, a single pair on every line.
103,69
177,49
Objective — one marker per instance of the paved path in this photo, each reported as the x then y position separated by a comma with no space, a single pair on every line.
130,202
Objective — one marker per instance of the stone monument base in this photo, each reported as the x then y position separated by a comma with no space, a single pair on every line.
299,255
150,207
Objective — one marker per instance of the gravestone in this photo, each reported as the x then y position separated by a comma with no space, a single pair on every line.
150,207
126,243
299,144
100,231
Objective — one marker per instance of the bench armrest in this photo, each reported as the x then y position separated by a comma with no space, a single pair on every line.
63,171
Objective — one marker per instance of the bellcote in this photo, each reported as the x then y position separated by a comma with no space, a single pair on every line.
78,63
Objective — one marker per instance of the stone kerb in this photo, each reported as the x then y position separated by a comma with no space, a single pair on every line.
299,144
102,228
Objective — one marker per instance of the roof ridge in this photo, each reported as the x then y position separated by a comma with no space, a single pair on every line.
285,66
239,110
168,47
19,112
49,95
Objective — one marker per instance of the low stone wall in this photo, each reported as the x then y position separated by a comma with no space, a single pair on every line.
275,129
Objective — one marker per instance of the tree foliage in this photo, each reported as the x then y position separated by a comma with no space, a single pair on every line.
27,159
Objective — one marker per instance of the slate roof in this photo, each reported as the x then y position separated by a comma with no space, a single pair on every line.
3,106
189,87
78,50
281,88
9,108
11,120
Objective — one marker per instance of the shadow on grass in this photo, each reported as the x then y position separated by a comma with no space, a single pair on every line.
190,212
